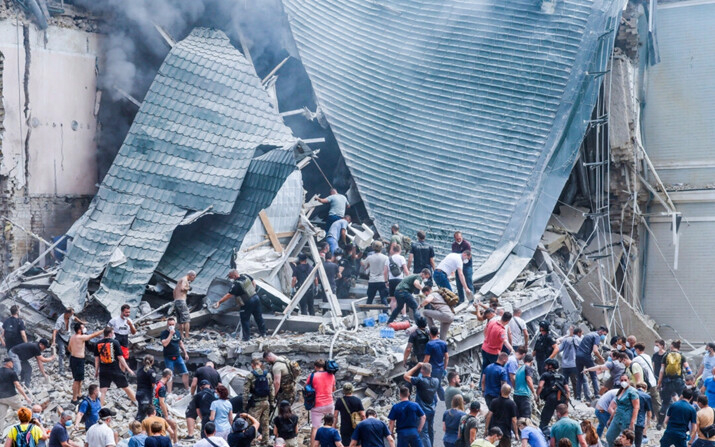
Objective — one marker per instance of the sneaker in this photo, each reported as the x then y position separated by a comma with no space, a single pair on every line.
659,426
75,402
188,437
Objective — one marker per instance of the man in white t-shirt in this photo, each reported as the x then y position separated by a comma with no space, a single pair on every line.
519,333
452,263
376,266
101,433
123,326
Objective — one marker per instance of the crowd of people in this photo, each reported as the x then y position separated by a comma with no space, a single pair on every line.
523,378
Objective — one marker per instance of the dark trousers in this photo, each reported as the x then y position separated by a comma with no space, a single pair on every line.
306,303
441,280
523,406
581,364
377,287
408,437
332,218
252,308
438,373
427,434
675,439
467,270
670,389
144,397
488,401
572,374
403,298
703,443
548,411
639,435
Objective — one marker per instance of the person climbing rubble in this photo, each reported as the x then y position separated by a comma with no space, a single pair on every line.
338,204
109,364
61,336
14,331
123,326
175,354
244,287
404,291
21,355
159,401
452,264
88,409
437,309
76,347
181,290
338,233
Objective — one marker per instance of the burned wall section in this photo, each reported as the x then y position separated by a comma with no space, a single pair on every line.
48,168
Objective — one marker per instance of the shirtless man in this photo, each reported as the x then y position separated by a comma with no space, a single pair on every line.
76,349
182,310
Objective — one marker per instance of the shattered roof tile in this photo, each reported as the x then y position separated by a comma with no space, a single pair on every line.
187,150
457,114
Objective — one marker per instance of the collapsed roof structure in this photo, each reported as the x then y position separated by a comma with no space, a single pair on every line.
189,152
463,115
459,114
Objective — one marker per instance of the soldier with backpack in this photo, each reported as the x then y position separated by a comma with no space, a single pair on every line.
416,344
404,291
285,376
670,380
553,389
14,329
258,387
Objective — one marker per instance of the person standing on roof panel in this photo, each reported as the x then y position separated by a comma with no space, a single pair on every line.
460,245
452,263
182,310
338,204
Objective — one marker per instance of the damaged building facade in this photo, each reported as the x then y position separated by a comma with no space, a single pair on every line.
518,124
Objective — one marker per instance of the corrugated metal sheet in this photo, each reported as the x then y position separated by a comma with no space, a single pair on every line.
206,246
680,102
188,149
678,114
458,114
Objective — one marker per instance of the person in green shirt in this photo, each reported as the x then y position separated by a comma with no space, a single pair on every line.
404,291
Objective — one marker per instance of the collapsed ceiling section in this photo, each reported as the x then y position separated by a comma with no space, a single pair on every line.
459,114
187,154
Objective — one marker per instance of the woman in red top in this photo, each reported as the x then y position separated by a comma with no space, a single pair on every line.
324,384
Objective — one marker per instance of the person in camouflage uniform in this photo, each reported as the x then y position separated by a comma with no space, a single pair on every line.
258,388
283,380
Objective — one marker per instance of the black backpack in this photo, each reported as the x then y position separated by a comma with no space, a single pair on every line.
86,414
261,387
462,437
419,346
11,326
394,268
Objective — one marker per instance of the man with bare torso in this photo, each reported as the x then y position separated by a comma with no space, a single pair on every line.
182,309
76,349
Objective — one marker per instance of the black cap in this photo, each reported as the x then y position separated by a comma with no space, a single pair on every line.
7,359
43,341
543,324
106,412
475,405
302,257
204,382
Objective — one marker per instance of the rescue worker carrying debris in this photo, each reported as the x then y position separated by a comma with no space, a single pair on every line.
553,389
244,292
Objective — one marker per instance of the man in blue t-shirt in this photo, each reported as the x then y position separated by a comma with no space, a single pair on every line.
680,418
90,406
493,377
589,345
371,432
327,435
437,356
426,391
409,420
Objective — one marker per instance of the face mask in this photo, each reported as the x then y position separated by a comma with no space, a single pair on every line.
84,330
171,328
619,347
628,345
656,349
68,423
37,416
624,384
603,338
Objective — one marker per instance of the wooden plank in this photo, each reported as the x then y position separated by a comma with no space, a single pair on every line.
269,229
281,235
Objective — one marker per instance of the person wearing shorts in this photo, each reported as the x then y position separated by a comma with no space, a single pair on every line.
109,364
174,353
324,384
183,285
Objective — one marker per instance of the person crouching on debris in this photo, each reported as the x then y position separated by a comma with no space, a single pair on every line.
436,308
21,355
452,263
404,293
183,315
244,287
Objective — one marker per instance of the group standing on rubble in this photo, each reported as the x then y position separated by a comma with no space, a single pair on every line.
523,379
